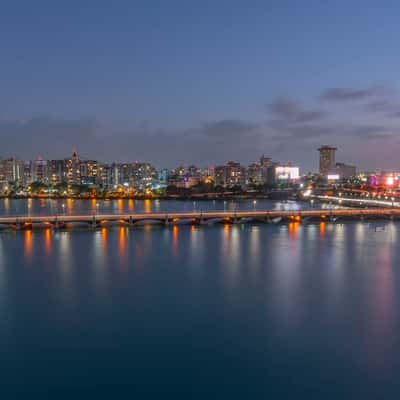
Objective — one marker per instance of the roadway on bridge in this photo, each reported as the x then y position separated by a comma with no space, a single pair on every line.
200,215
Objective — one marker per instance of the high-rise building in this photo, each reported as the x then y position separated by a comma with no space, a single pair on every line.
326,159
220,175
236,174
73,169
143,173
254,174
89,172
265,164
163,175
11,170
56,171
40,170
105,176
229,175
28,174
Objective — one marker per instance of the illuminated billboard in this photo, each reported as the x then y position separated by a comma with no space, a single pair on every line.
389,180
287,173
333,177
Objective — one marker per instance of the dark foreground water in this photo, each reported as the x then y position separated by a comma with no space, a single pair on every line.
284,311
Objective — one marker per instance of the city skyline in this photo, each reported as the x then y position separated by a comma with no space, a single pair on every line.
201,84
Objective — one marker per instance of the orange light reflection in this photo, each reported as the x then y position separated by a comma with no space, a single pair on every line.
175,239
122,244
322,229
28,244
147,205
47,241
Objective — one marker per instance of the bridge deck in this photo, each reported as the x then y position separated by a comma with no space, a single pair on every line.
197,216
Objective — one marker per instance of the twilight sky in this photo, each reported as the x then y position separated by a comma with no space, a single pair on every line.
201,81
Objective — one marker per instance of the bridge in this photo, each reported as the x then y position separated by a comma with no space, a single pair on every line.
198,218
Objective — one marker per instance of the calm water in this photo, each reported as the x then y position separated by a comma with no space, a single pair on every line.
283,311
70,206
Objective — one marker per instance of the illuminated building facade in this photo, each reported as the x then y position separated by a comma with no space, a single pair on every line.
73,171
327,160
40,170
89,172
55,171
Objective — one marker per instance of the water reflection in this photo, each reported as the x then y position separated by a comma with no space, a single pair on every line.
231,252
327,288
100,257
76,206
28,245
122,253
293,228
197,250
93,205
3,281
147,205
6,203
175,240
65,268
254,255
286,254
47,241
120,206
322,229
69,206
382,316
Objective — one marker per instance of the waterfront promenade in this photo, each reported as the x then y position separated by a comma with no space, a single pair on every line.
199,217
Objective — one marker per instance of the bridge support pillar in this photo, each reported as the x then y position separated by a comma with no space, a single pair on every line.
57,225
166,220
93,223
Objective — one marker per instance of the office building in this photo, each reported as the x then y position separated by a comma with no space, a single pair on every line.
327,160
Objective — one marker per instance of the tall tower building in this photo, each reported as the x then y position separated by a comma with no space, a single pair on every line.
73,169
326,159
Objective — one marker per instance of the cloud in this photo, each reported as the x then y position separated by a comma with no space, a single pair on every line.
341,94
291,111
370,132
205,144
379,106
394,114
228,128
298,134
387,107
45,136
